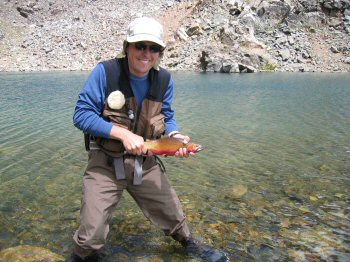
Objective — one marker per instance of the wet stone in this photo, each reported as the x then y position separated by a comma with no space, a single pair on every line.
29,254
238,191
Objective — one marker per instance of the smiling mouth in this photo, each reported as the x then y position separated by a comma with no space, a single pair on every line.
144,60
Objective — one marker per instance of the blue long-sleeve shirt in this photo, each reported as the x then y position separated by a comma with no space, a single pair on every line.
87,115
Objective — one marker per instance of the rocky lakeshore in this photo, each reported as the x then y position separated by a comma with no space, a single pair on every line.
219,35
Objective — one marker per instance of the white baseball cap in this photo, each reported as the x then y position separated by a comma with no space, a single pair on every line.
145,29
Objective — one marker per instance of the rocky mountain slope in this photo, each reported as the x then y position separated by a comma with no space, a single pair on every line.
202,35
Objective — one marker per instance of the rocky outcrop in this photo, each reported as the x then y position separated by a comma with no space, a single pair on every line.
225,36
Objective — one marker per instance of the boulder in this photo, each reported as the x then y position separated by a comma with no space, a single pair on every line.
311,5
27,253
274,12
181,33
25,11
285,54
246,68
194,29
229,66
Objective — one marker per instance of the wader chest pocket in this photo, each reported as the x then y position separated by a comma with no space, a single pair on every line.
119,118
110,145
157,126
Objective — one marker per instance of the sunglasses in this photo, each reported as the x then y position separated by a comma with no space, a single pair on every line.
141,46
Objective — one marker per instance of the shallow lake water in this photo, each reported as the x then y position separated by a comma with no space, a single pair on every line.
271,185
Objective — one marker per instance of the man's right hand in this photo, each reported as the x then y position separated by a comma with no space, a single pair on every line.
133,144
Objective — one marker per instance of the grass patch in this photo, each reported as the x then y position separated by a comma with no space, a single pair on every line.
269,67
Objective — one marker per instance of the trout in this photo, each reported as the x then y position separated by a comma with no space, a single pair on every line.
168,146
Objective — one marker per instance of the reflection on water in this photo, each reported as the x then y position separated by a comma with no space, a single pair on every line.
272,184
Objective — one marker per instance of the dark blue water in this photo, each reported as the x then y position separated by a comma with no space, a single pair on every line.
272,184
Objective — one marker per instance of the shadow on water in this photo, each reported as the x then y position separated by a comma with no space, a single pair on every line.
271,185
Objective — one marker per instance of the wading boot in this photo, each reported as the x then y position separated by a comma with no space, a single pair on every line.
195,247
80,254
95,257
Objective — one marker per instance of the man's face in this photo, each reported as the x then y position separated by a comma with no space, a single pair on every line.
142,56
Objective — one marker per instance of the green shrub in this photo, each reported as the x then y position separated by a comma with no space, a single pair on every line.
269,67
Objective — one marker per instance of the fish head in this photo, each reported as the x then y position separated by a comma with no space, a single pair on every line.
194,148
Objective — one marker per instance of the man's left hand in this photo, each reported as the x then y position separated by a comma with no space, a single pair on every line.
183,151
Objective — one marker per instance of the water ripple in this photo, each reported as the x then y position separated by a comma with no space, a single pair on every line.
274,174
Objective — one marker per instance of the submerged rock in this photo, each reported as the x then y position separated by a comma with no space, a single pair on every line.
28,253
238,191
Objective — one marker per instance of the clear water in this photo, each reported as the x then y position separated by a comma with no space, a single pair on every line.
272,183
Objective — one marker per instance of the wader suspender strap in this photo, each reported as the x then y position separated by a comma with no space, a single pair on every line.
112,70
119,167
87,141
138,170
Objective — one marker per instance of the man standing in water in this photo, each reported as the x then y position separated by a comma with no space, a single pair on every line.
124,102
